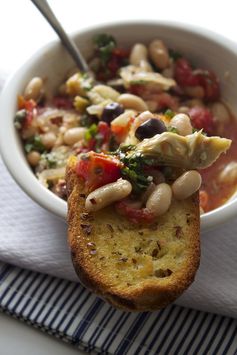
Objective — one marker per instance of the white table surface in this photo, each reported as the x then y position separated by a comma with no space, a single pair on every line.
23,31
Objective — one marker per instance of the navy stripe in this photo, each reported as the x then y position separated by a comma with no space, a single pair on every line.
112,335
179,346
149,331
38,299
4,272
86,298
47,300
228,345
55,301
16,291
9,287
69,308
223,336
196,351
23,293
32,294
212,338
155,337
130,336
194,337
168,331
62,305
89,316
101,327
174,336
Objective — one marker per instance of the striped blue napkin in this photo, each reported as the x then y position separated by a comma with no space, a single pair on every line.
68,311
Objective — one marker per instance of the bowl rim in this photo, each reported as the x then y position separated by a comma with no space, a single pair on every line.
39,193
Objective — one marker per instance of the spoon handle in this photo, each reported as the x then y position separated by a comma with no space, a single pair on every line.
46,11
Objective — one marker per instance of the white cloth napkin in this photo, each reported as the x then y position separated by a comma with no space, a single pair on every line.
32,238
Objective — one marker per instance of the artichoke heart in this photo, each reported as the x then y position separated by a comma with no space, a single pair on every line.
195,151
133,75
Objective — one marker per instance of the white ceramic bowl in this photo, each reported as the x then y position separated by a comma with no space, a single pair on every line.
204,48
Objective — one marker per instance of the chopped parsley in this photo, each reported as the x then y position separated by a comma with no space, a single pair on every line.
20,118
34,143
169,113
91,132
172,129
134,168
50,160
104,44
174,54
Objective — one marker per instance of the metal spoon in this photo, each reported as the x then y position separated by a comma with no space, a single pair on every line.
46,11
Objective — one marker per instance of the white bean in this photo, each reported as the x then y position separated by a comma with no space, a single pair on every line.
220,112
139,52
133,102
183,109
48,139
186,184
159,54
33,158
194,91
168,72
145,66
160,199
33,89
229,174
182,123
73,135
107,194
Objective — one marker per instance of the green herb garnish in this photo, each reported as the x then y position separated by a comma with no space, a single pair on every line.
172,129
91,132
174,54
34,143
105,45
20,118
169,113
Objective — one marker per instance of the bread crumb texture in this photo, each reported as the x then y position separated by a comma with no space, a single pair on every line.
133,267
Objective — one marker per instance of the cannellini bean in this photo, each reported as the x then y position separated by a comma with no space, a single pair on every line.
143,117
229,174
182,123
194,91
146,66
160,199
33,89
107,194
33,158
133,102
220,112
159,54
139,52
73,135
194,103
48,139
186,184
183,109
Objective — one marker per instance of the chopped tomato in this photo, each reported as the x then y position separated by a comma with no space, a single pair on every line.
202,118
183,73
29,106
210,84
135,215
120,127
203,198
98,169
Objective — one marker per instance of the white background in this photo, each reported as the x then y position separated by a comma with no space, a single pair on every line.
23,30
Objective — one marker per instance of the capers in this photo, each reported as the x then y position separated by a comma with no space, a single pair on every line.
150,128
111,111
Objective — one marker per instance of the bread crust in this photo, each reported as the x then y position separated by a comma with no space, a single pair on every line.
96,271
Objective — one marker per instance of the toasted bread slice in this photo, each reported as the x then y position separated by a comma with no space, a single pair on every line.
136,268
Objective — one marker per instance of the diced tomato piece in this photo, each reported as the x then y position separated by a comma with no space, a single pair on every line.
135,215
183,73
203,198
29,106
202,118
104,130
63,102
98,169
210,84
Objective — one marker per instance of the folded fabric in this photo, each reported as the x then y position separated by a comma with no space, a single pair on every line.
32,238
67,310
